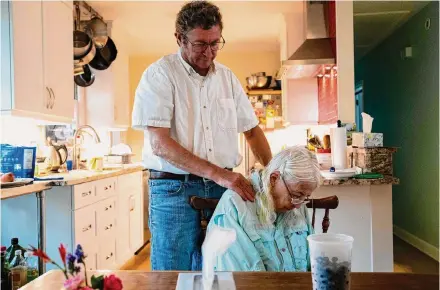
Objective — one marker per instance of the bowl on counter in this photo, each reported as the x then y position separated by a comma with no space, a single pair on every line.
259,82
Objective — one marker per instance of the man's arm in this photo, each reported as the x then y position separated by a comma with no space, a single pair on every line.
168,149
259,145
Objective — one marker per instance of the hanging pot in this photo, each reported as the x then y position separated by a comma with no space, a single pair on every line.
83,48
85,79
96,29
104,56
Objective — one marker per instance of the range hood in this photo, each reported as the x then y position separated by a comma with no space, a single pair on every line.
317,47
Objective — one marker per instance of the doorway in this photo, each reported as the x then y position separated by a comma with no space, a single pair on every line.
359,104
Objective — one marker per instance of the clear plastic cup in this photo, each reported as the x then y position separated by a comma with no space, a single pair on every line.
330,257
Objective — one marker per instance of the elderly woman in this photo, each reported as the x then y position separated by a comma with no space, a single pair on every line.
271,232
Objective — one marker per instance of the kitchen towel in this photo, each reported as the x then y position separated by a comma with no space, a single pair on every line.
338,140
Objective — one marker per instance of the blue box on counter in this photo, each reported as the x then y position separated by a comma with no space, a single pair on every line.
19,160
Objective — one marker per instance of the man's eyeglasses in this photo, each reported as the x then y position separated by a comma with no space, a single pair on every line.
293,198
202,46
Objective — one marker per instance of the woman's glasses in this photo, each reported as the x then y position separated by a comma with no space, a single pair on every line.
294,199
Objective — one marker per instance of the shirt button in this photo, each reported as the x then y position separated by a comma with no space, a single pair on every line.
207,128
283,249
204,107
210,150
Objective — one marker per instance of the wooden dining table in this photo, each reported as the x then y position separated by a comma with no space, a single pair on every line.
137,280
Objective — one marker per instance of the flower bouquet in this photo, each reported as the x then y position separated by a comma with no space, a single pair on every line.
76,276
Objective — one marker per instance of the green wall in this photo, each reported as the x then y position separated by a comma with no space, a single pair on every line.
403,98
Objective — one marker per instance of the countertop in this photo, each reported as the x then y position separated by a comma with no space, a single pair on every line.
352,181
72,178
160,280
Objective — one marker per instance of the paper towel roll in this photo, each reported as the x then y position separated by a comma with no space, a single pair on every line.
338,140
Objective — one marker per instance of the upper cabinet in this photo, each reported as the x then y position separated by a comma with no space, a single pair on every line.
58,53
107,99
37,65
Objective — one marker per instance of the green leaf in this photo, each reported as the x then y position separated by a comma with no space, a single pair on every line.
97,282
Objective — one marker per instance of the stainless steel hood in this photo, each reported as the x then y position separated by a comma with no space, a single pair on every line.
317,48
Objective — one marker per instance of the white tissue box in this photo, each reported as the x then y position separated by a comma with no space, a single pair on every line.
361,139
193,281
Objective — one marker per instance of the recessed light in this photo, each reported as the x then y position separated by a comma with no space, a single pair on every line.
327,68
320,76
327,75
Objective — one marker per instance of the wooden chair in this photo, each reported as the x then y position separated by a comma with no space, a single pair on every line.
326,203
203,204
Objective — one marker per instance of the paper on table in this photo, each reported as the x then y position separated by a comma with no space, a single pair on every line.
367,123
187,281
217,241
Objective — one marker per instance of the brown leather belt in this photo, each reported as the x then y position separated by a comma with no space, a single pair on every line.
154,174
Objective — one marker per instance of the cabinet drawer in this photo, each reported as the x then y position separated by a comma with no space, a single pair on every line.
107,255
105,188
84,194
106,218
130,183
91,261
85,228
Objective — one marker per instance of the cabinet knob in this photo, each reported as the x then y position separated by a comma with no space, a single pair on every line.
49,100
87,228
53,98
108,207
109,256
109,227
84,194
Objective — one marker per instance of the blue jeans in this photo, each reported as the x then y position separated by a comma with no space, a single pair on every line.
175,225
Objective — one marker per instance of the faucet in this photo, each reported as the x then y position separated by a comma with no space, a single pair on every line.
79,131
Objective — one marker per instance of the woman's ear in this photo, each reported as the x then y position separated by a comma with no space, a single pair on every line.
273,177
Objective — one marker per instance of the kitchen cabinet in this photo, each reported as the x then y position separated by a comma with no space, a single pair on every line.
130,216
58,51
107,99
36,60
105,217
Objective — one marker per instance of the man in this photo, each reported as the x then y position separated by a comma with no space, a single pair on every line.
192,110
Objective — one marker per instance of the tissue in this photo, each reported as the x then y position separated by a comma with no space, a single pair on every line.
367,139
367,122
217,241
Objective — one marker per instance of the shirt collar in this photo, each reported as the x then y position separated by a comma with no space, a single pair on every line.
189,68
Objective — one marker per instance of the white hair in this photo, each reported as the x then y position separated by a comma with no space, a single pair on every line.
295,164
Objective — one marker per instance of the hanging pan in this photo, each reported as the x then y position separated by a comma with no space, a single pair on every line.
83,48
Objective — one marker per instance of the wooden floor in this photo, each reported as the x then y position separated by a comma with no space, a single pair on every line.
407,259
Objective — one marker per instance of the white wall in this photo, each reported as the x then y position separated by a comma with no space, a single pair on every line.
345,61
302,101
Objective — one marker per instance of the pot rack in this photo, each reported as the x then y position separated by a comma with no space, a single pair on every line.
87,9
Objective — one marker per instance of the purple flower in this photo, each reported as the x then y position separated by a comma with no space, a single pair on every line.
79,253
71,258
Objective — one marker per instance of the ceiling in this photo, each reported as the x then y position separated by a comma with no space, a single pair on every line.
147,27
376,20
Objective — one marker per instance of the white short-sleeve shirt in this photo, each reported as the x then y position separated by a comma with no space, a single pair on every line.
204,114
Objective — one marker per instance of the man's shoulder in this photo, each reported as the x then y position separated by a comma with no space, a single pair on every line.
221,67
164,64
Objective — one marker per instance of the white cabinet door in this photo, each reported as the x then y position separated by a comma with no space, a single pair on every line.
107,99
26,50
136,222
120,69
58,57
123,252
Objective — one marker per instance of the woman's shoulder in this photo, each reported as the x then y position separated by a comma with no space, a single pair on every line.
233,202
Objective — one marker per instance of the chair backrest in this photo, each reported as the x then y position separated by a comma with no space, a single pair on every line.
326,203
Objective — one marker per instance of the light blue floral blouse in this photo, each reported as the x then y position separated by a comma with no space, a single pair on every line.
281,247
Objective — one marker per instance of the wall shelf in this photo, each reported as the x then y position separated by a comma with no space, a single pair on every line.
263,92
